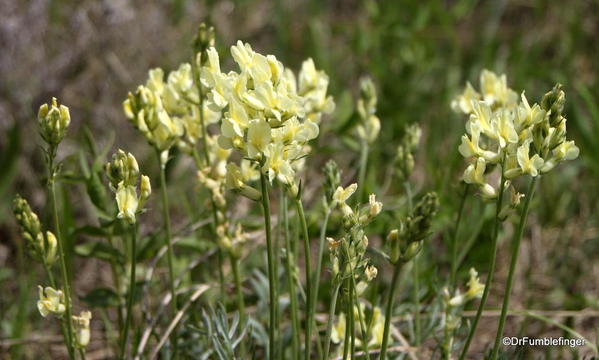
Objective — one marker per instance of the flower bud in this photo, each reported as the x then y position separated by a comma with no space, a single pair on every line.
122,169
145,187
235,182
53,121
553,102
204,38
332,179
50,249
81,327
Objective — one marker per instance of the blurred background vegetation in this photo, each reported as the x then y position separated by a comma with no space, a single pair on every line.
419,53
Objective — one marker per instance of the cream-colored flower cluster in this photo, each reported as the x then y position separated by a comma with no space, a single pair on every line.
123,173
41,248
376,328
453,303
506,131
267,118
348,252
51,301
474,291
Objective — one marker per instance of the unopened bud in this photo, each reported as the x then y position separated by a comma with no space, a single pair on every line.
53,119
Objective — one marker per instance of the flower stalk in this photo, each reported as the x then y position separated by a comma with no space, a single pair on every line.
272,328
510,279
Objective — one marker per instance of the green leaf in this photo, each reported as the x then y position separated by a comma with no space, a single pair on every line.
101,297
100,250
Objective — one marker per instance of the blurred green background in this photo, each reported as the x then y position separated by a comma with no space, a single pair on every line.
419,53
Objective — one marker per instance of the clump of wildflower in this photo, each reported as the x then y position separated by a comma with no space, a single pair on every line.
41,248
123,174
510,134
369,126
376,328
53,119
405,151
348,252
51,301
81,327
312,86
266,117
147,112
453,304
407,241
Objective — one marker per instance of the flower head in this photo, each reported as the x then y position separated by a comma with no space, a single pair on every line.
50,301
53,119
505,130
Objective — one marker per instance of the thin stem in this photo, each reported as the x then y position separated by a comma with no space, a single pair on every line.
290,265
327,339
271,275
240,300
415,272
454,243
352,321
346,337
491,270
510,279
354,299
448,336
61,253
389,310
318,271
117,283
310,306
237,279
170,256
131,291
362,171
63,328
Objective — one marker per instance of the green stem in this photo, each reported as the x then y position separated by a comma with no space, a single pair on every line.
415,272
61,253
354,299
131,291
352,321
454,243
117,283
346,337
362,171
237,278
240,300
389,310
63,328
169,247
333,304
317,272
310,306
491,270
510,278
290,265
271,275
448,336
